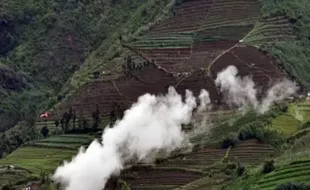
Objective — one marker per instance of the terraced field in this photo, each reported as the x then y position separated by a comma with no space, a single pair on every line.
206,14
197,160
126,90
49,123
46,154
172,59
271,30
285,124
294,172
251,152
249,61
158,178
12,176
300,110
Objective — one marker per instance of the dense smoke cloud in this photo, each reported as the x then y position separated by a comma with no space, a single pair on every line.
151,125
241,92
238,91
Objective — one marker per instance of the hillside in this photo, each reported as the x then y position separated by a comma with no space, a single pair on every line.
88,61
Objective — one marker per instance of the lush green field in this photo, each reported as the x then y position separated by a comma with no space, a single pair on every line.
295,172
37,159
285,124
46,154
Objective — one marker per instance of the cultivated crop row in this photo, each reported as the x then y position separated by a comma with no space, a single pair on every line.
166,178
212,14
249,61
286,124
271,30
251,152
299,172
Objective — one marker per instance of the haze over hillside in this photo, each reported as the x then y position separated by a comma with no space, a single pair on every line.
85,62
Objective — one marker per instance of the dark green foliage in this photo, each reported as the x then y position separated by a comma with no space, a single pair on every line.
268,167
96,117
8,187
231,166
293,186
304,125
56,123
292,54
230,140
44,131
252,130
43,43
15,137
273,138
65,120
240,169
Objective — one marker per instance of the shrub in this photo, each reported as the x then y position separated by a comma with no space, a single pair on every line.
8,187
230,140
240,169
231,166
293,186
273,138
252,130
44,131
268,167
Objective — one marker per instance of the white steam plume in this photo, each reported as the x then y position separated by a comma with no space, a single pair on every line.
151,125
238,91
277,93
242,93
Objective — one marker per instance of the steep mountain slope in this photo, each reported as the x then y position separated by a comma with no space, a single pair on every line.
44,42
182,48
53,51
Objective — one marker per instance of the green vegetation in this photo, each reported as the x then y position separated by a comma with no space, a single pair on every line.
50,48
46,42
292,54
286,124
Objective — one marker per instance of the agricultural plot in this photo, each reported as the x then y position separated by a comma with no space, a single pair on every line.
249,61
229,32
126,90
300,110
162,42
187,17
251,152
45,154
285,124
12,175
37,159
50,124
203,53
271,30
158,178
72,142
295,172
171,59
199,15
197,160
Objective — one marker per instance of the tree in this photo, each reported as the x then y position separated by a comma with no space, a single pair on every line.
268,167
73,120
56,123
96,117
44,131
66,117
